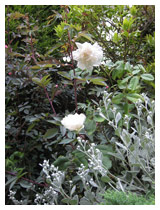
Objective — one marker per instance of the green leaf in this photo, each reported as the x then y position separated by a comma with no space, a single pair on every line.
85,201
50,133
62,162
13,183
79,157
63,130
133,10
105,148
17,154
105,179
74,200
25,184
126,138
49,65
126,108
125,80
13,179
133,97
125,33
116,38
106,162
35,67
65,75
36,80
98,118
45,80
128,67
42,82
133,83
147,77
118,98
65,200
90,126
125,24
55,122
30,127
136,71
20,174
66,141
117,155
123,83
98,81
139,67
118,70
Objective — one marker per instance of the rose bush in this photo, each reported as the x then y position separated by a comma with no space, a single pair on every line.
74,122
88,55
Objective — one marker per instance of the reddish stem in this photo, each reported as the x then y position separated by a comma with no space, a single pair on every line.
28,180
50,101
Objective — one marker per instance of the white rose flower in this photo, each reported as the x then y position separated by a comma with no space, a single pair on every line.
74,122
88,55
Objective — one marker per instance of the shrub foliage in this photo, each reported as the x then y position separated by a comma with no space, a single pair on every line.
49,164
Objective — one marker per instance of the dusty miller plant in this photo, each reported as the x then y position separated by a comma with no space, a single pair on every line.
90,177
134,142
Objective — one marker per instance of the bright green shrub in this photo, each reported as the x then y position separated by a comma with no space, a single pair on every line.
121,198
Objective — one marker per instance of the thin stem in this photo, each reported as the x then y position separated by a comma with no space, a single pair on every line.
99,184
50,101
64,194
28,180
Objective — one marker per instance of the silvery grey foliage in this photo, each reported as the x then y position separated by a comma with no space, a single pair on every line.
12,194
14,200
53,175
94,157
49,197
91,176
55,178
134,140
